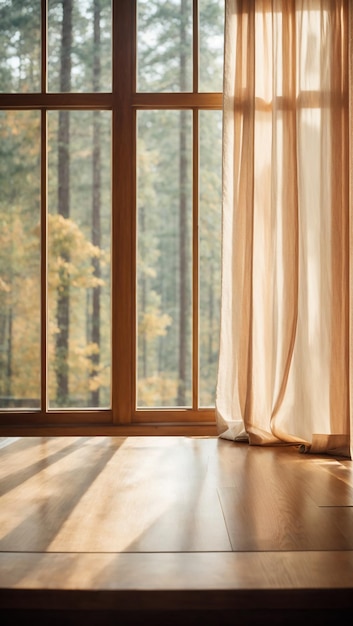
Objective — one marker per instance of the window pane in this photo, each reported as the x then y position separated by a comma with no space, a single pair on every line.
211,38
19,259
20,46
164,45
79,265
79,45
210,188
164,258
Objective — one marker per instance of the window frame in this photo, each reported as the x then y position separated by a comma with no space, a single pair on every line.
124,101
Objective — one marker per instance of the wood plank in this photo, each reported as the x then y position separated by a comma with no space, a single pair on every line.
274,501
265,524
107,494
56,428
174,580
132,530
326,480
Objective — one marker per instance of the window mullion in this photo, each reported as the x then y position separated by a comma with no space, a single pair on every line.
123,266
44,219
195,215
195,259
44,265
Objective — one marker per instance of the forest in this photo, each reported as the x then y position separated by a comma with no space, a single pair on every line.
79,205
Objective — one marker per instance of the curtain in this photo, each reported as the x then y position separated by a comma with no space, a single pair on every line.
286,312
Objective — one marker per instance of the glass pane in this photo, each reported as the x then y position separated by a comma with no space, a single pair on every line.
164,45
210,187
19,259
164,258
79,45
211,38
79,191
20,46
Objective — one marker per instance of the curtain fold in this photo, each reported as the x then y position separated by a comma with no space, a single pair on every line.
285,346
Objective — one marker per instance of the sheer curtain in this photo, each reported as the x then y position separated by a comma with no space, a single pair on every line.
286,322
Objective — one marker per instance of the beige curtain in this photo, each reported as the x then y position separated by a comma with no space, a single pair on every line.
284,368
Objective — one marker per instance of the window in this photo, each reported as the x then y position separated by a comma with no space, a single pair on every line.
110,170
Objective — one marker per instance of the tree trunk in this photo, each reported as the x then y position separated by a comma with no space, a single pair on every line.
63,301
143,304
183,234
96,199
9,358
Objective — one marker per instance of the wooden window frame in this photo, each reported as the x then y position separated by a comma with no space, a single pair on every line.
123,418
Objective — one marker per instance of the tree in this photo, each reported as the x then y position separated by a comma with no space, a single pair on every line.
71,269
19,208
83,169
210,187
153,324
96,200
63,299
19,258
19,46
79,205
165,64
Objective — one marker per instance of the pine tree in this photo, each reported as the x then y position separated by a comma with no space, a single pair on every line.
63,299
96,199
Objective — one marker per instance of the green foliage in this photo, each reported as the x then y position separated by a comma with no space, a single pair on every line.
164,37
83,48
211,27
19,45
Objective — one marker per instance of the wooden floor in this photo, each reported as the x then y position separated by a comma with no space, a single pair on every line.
102,530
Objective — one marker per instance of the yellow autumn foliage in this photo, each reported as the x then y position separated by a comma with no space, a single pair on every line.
157,391
70,255
154,325
4,286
